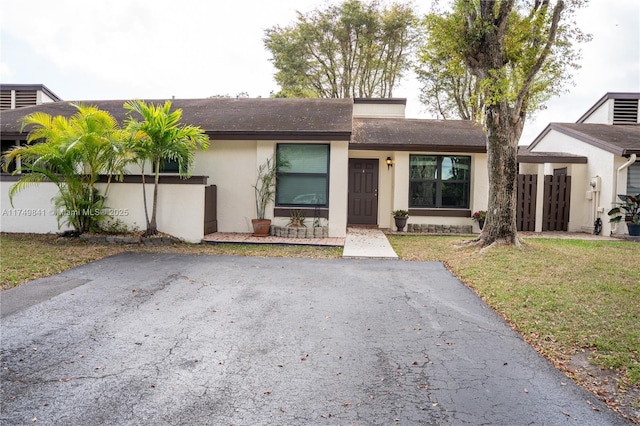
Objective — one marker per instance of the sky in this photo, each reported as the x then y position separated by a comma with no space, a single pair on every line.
159,49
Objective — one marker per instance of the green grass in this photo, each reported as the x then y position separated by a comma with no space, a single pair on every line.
26,257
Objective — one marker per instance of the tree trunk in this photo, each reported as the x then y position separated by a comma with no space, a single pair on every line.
144,198
153,226
502,149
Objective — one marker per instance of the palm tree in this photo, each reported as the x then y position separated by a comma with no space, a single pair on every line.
71,153
160,137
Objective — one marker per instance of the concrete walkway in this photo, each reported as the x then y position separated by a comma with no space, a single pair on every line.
367,243
358,244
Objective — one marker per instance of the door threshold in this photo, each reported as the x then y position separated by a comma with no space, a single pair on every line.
362,226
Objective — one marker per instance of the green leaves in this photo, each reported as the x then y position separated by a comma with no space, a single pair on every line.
353,49
483,53
72,153
159,137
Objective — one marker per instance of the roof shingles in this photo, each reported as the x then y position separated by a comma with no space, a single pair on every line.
401,134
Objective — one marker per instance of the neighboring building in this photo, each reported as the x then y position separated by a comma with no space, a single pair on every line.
14,96
352,161
22,95
593,160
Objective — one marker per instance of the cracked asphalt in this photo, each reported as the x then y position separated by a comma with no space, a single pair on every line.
173,339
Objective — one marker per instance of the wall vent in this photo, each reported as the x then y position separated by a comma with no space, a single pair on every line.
625,111
5,100
26,98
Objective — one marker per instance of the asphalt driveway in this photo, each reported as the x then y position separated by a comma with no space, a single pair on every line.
173,339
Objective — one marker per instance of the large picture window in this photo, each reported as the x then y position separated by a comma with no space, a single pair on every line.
439,181
303,180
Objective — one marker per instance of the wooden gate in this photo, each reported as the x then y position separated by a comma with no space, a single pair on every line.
210,207
526,210
557,197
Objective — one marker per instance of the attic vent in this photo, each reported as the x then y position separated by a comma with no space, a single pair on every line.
5,100
625,111
27,97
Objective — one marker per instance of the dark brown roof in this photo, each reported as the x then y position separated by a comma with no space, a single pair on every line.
619,139
244,118
525,156
400,134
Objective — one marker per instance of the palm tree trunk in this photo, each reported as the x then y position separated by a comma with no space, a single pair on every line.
153,226
144,199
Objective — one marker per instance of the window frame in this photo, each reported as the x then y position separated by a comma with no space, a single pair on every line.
438,182
326,176
632,171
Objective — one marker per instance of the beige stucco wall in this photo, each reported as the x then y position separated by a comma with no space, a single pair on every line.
393,187
232,167
386,181
34,212
338,188
382,110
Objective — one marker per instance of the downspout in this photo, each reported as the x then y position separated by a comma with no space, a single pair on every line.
614,196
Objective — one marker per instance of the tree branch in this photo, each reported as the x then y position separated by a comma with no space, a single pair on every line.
524,91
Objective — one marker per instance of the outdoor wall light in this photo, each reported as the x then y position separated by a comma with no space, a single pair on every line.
389,162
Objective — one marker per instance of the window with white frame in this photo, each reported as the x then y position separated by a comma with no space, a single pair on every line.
439,181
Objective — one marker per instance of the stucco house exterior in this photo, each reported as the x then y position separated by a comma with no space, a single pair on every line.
597,156
351,162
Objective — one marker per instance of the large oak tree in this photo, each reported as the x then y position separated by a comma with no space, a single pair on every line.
514,55
354,49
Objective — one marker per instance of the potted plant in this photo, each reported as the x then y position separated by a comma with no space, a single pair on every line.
480,216
629,210
265,189
400,216
296,219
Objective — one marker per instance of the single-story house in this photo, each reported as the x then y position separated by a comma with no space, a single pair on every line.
584,165
351,162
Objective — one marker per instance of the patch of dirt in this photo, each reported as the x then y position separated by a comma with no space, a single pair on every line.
606,384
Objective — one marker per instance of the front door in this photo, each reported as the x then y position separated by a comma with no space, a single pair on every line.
363,192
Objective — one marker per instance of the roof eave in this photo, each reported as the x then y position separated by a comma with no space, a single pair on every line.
418,147
279,135
588,139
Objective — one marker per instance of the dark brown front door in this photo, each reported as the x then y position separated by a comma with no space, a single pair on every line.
363,192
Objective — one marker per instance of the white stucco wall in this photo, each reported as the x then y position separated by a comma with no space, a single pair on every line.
602,115
600,163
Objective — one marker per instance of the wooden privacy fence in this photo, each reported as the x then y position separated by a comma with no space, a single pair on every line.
556,202
526,210
557,197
